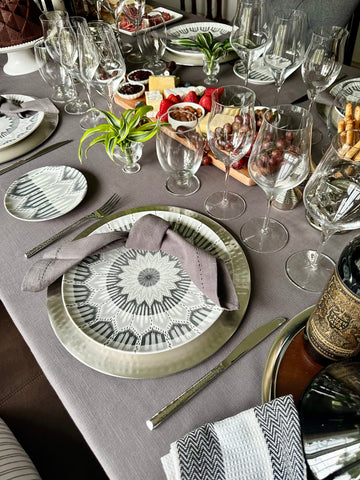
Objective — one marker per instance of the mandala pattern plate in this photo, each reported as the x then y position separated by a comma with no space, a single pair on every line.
13,129
119,363
45,193
140,301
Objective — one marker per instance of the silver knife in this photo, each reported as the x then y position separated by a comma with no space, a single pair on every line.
37,154
247,344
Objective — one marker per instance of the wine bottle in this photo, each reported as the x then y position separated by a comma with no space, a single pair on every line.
332,332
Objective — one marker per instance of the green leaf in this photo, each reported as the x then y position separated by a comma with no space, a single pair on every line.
185,42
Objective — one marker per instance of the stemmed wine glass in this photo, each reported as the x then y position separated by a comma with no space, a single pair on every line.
322,63
230,133
278,162
250,32
152,42
332,199
134,11
100,60
286,50
179,151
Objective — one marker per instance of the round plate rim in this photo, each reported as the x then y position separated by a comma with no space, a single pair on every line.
277,352
160,364
35,126
60,214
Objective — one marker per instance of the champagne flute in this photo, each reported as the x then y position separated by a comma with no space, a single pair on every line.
250,32
278,162
286,50
230,133
322,63
152,43
332,199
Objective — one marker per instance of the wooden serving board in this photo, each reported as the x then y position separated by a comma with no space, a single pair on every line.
241,175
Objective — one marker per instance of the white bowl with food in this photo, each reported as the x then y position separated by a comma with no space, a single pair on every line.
182,114
140,75
131,91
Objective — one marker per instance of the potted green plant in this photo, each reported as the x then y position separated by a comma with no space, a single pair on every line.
211,50
122,136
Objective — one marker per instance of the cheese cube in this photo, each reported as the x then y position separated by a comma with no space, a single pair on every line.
161,82
153,98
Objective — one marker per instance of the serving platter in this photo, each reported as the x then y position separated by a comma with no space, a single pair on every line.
45,193
113,361
13,128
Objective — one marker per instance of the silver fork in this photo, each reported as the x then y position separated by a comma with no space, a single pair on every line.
108,207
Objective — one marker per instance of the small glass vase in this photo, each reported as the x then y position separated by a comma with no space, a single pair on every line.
129,158
211,68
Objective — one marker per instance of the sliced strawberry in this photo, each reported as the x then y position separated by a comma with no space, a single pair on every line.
191,97
205,101
165,104
173,98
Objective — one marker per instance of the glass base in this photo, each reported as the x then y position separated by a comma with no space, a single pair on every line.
158,67
62,94
255,238
182,189
217,208
301,273
211,81
134,168
91,119
77,107
135,57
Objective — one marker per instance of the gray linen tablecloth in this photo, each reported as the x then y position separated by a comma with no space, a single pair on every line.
111,412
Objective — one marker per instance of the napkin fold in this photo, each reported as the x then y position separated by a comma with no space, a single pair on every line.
150,233
39,105
262,443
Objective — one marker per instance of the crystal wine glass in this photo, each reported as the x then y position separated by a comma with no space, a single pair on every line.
134,11
322,63
332,199
230,133
278,162
286,50
250,32
179,152
152,42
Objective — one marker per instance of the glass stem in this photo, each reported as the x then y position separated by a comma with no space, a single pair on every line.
247,66
269,200
277,93
225,200
325,235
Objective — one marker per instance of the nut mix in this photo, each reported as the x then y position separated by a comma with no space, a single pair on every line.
184,114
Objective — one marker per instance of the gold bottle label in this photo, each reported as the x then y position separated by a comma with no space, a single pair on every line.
333,329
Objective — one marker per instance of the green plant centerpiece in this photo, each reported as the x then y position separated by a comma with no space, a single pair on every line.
122,136
211,49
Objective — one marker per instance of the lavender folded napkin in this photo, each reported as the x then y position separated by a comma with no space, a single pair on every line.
9,107
263,443
150,233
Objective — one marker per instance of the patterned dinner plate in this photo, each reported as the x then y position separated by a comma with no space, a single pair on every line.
259,74
13,129
349,87
127,364
139,301
45,193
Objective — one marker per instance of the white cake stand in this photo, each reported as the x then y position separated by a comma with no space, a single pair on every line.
21,59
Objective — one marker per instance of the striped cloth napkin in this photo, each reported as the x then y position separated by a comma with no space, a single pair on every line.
263,443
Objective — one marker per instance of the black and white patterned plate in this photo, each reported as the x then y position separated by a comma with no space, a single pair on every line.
45,193
13,129
139,301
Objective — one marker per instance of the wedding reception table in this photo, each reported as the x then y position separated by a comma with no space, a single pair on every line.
111,412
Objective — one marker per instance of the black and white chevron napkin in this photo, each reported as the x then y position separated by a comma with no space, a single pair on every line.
263,443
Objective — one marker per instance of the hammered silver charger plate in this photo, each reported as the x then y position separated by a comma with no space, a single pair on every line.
45,193
42,133
13,128
156,364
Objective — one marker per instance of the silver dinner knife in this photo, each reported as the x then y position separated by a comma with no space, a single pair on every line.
247,344
37,154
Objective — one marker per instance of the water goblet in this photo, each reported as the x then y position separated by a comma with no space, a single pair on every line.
250,32
152,42
322,63
53,74
179,151
230,133
278,162
286,50
332,199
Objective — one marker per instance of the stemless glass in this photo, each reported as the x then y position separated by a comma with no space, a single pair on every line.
53,74
332,199
250,32
278,162
230,133
286,50
179,152
152,43
348,93
322,63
